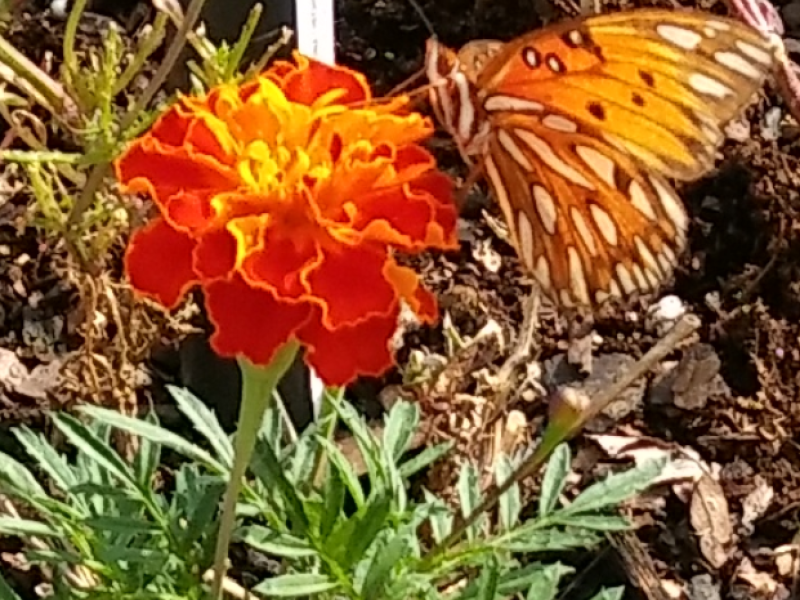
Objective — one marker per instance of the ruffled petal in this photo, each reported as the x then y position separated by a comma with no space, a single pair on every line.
250,322
159,263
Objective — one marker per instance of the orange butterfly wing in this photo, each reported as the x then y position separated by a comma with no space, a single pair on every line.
579,124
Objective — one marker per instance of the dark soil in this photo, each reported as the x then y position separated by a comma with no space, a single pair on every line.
741,276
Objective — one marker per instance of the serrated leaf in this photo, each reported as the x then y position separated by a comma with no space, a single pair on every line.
400,424
16,478
156,434
469,495
205,422
94,447
381,566
614,593
50,461
555,478
424,459
123,525
27,528
348,542
541,540
441,518
545,585
510,504
616,488
294,585
276,543
593,522
338,461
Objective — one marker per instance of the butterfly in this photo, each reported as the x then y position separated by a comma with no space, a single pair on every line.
579,126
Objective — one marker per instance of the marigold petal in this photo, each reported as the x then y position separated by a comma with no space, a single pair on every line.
282,264
407,283
312,79
351,285
339,356
215,254
250,322
189,210
159,262
161,171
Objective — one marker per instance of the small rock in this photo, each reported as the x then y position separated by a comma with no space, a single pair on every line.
702,587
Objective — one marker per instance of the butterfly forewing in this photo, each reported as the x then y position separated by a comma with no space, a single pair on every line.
579,125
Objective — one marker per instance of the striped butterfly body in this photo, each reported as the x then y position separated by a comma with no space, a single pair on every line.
579,126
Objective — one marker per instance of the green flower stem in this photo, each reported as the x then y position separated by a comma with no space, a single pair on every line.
258,386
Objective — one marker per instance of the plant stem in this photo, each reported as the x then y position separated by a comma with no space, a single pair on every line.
258,386
554,435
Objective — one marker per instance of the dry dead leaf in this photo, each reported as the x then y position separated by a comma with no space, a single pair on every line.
756,504
710,518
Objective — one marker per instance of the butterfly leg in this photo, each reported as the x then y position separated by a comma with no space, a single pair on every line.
475,173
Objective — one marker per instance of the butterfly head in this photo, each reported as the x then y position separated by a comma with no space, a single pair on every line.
455,97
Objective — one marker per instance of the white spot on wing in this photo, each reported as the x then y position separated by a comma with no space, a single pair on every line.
679,36
736,63
597,162
498,188
531,58
545,152
577,279
583,230
525,239
600,296
509,144
671,204
754,52
566,299
718,25
613,289
711,87
625,279
510,103
545,207
559,123
644,253
605,224
542,272
640,200
638,274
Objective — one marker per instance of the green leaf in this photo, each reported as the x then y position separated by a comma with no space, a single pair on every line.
348,542
154,433
294,585
303,461
276,543
94,448
541,540
441,518
147,459
366,442
383,562
614,593
333,503
469,495
338,461
593,522
27,528
124,525
555,478
205,422
147,557
510,504
266,465
488,580
514,580
6,593
545,585
50,461
616,488
424,458
17,479
401,422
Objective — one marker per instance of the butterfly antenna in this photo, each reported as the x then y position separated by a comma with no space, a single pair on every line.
428,25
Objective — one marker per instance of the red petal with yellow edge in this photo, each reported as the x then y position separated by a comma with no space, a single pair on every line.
179,126
215,254
161,171
159,263
282,265
341,355
419,300
312,79
250,322
190,210
411,217
351,284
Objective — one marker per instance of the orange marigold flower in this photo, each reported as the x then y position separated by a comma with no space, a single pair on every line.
285,205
